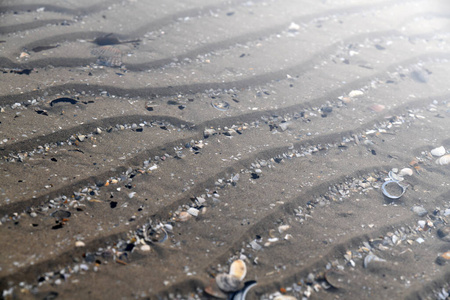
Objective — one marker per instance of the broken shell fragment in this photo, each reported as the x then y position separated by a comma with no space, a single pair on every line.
220,105
439,151
443,160
284,297
405,171
355,93
242,294
213,290
238,269
193,211
335,278
371,258
79,244
228,283
154,234
184,216
283,228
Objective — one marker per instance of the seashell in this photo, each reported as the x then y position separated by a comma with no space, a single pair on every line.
154,234
109,56
193,211
395,177
446,255
228,283
213,290
439,151
405,171
389,186
443,160
355,93
220,105
238,269
283,228
61,214
284,297
184,216
242,294
377,107
370,258
336,278
79,244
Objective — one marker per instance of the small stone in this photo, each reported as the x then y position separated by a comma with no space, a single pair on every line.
98,130
33,214
419,210
79,244
443,258
444,233
81,137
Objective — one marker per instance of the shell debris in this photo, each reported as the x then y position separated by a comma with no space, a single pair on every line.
439,151
443,160
238,269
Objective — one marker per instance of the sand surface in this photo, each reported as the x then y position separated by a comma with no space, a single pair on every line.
146,145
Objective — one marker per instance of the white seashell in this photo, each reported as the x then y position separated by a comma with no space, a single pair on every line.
184,216
238,269
443,160
439,151
355,93
371,257
145,248
79,244
283,228
284,297
406,171
228,283
193,211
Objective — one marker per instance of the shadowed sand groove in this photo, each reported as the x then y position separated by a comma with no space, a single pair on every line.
221,122
311,115
191,89
257,227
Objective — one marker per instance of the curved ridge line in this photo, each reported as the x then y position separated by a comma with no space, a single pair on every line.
63,135
199,188
190,89
268,153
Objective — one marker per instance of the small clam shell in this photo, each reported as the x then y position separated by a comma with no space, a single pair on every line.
336,278
283,228
228,283
443,160
439,151
238,269
372,258
242,294
155,234
406,171
184,216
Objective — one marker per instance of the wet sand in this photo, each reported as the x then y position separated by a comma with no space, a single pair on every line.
140,165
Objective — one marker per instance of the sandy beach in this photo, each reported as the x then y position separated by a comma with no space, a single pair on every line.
147,147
